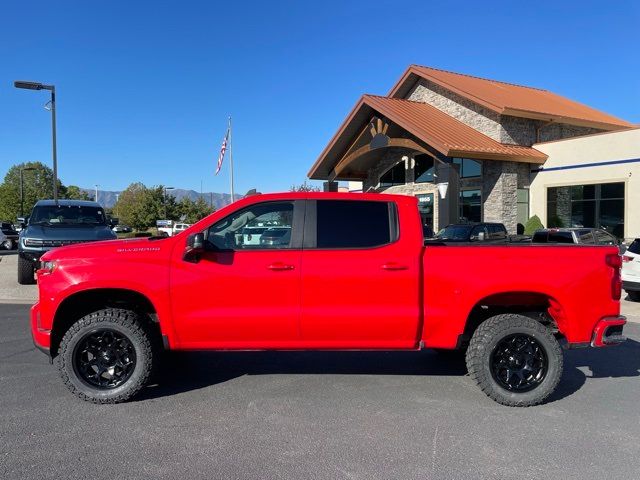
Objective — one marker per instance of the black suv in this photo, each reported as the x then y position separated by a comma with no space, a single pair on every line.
55,224
472,232
577,235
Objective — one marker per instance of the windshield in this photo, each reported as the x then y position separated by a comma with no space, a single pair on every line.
455,232
67,215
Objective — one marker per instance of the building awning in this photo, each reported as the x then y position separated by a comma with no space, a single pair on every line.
426,124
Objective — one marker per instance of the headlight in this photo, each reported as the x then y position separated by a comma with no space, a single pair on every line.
32,242
47,267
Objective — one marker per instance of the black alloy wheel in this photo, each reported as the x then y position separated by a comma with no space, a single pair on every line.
104,359
519,363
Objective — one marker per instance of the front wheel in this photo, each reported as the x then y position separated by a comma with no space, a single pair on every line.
25,272
8,244
515,360
106,356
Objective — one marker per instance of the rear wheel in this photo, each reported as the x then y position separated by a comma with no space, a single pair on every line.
634,296
25,272
8,244
107,356
515,360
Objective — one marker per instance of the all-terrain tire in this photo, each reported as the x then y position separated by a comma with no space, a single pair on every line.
8,244
25,272
634,295
124,323
498,329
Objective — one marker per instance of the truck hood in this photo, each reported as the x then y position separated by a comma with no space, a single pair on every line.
111,248
64,232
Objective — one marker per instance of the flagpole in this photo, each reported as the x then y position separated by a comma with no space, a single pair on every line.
231,159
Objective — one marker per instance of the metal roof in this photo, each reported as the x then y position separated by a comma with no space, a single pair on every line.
444,133
510,99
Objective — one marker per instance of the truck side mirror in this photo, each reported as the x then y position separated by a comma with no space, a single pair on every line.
22,221
194,248
113,221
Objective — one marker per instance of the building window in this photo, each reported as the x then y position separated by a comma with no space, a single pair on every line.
592,206
396,175
424,168
523,205
470,206
468,168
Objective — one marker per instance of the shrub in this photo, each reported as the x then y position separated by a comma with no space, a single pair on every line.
532,225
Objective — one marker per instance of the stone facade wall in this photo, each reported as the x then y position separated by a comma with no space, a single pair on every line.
557,131
523,131
500,183
469,113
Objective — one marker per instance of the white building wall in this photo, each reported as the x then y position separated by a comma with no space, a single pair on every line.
584,152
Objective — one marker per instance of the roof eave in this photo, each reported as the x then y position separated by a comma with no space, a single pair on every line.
580,122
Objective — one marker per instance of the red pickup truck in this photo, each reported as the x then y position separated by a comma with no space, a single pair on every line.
322,271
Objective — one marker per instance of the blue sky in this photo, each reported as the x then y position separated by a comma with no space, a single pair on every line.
145,88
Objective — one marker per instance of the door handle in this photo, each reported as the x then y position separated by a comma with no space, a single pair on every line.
394,266
278,266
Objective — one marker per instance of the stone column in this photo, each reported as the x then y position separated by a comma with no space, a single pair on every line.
448,207
500,193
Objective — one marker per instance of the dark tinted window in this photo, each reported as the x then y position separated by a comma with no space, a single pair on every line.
394,176
560,237
603,238
539,237
67,215
352,224
635,247
424,168
585,236
455,232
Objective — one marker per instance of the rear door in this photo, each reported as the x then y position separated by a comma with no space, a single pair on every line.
361,275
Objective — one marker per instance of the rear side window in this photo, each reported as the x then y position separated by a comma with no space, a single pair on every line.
353,224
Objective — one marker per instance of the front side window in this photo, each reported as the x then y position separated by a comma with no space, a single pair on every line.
353,224
258,227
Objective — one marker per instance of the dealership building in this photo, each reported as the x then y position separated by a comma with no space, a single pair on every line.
472,149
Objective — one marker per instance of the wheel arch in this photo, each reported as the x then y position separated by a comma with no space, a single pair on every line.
540,306
81,303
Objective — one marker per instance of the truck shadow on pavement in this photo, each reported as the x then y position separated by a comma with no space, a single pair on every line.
186,371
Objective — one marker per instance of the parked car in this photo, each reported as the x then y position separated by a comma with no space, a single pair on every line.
180,227
276,236
472,232
9,236
355,276
122,229
55,224
577,235
631,271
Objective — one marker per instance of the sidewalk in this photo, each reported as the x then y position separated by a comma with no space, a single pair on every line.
11,292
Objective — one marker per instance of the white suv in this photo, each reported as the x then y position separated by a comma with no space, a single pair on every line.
631,271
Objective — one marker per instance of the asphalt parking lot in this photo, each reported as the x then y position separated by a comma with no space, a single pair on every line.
318,415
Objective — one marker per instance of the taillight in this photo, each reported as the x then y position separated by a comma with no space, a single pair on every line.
615,261
626,258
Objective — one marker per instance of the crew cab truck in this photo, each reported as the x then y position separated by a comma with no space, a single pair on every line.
354,275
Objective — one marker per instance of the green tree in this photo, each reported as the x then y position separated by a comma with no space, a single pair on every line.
305,187
38,185
75,193
131,206
532,225
194,211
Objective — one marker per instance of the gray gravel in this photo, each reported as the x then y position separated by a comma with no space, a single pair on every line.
318,415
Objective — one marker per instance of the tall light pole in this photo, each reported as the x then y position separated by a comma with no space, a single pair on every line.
52,89
117,199
165,201
96,197
23,169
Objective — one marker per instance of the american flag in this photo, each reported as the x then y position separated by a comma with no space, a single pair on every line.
223,150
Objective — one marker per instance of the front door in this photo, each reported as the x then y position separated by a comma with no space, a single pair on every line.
244,292
361,276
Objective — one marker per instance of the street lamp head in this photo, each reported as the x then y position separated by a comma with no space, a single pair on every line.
32,85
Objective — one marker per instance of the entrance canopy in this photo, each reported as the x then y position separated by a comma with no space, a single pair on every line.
379,123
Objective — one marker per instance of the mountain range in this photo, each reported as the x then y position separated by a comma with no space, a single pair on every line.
108,198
